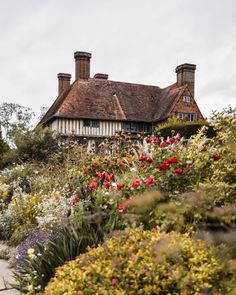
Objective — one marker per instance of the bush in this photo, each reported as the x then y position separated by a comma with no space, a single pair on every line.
185,128
38,267
4,148
35,145
142,262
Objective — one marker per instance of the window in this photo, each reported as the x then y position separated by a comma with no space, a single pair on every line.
91,123
186,98
136,127
187,116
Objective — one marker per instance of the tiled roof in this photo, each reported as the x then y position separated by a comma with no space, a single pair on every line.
111,100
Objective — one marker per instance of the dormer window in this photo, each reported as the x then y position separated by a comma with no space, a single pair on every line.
186,98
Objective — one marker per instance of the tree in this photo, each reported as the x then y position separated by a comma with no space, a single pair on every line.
14,117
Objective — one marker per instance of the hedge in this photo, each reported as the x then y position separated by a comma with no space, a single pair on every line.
186,129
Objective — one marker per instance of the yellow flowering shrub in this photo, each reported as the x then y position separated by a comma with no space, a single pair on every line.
142,262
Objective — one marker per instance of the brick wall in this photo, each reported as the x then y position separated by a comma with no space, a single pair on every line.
186,107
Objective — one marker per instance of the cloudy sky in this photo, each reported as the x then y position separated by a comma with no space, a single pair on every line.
131,40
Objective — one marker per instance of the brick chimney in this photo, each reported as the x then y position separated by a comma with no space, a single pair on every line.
82,65
63,82
186,75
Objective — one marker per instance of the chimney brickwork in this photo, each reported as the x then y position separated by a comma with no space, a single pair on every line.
186,75
82,65
63,82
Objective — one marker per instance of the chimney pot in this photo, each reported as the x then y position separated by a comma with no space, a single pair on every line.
101,76
82,65
186,75
63,82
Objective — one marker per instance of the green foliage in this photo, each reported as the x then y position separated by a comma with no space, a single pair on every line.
34,145
72,240
14,117
178,185
142,262
184,128
4,148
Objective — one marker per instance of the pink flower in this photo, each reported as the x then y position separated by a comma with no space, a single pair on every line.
150,180
107,184
114,282
119,186
216,157
136,183
121,208
178,170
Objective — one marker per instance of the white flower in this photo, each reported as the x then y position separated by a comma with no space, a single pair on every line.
133,169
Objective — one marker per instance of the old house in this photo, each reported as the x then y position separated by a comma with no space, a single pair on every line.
95,108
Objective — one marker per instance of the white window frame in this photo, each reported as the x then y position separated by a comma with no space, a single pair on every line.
186,98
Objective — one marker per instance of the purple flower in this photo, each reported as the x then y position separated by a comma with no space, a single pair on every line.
37,237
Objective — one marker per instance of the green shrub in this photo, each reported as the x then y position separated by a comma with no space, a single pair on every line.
4,148
142,262
38,268
184,128
34,145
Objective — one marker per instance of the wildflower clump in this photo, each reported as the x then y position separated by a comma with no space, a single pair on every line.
141,262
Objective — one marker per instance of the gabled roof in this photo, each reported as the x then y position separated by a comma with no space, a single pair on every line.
112,100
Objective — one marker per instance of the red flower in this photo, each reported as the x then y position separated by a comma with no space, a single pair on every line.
164,166
172,160
119,186
121,208
109,177
187,170
149,159
148,139
107,184
93,184
154,140
150,180
75,200
216,157
163,144
142,158
178,170
136,183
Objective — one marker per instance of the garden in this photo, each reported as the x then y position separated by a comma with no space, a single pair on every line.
152,216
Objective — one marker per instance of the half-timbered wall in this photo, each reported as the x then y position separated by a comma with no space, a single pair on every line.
76,127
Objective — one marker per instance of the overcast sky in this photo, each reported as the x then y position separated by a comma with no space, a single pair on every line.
131,40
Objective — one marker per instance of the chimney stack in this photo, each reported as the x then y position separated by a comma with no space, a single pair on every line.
82,65
63,82
186,75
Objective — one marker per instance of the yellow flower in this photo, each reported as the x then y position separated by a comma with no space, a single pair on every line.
5,194
30,251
